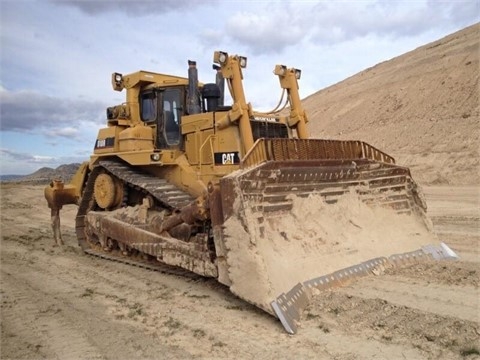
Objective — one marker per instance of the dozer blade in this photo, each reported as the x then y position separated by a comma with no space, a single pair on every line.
294,226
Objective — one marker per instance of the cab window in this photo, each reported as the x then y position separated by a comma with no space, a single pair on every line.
148,106
172,112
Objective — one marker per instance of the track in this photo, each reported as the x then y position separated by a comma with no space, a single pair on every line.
142,263
166,194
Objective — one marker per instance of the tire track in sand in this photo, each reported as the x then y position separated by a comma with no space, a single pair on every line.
456,301
408,332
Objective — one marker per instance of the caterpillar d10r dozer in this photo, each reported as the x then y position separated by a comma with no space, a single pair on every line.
245,197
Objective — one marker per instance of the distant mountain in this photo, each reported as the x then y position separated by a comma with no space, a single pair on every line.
10,177
44,175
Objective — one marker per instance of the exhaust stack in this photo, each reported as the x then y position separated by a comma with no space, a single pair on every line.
220,81
193,98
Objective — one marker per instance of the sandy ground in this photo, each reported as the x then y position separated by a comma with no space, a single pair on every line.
58,303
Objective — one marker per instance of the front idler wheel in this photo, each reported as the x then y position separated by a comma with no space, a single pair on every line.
108,191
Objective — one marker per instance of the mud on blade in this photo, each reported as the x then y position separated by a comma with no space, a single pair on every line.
286,222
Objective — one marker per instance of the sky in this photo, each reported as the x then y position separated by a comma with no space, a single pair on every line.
57,56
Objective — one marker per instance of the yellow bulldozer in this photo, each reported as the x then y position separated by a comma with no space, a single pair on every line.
246,197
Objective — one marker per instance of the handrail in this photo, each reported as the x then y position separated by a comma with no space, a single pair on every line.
200,162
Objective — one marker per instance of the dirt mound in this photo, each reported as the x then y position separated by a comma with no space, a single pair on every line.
421,107
312,240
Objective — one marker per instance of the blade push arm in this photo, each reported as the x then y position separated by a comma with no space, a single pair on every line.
231,68
289,81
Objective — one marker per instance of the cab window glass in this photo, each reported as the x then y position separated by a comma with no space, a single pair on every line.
149,106
172,112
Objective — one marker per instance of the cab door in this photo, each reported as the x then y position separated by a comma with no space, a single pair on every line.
163,110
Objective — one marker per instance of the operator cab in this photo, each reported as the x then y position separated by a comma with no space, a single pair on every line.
163,109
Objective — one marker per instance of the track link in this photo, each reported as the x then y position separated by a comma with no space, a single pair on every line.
167,194
149,265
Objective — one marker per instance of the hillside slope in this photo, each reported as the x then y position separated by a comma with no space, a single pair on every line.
46,174
421,107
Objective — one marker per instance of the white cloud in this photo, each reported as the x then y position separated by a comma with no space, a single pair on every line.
42,159
67,132
269,31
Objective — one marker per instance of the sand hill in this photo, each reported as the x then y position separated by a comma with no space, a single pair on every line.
421,107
